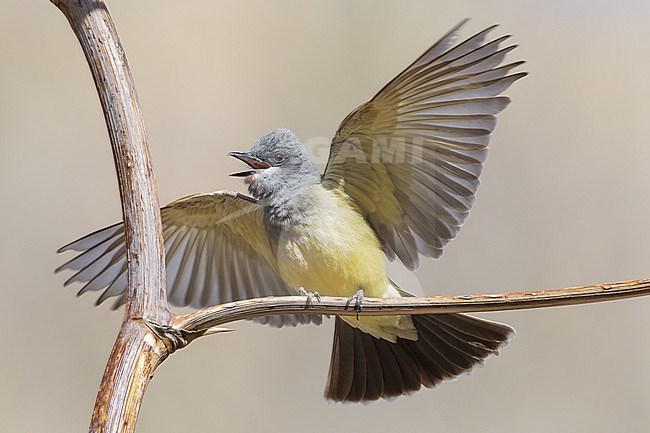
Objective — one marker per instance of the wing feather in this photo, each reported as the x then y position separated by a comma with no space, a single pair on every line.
411,157
217,251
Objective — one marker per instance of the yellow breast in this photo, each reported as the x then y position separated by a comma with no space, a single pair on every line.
335,253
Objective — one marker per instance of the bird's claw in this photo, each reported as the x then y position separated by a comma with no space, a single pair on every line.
358,299
310,295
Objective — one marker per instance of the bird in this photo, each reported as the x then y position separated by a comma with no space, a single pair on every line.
401,178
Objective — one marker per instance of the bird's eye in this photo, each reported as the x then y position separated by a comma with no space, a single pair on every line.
278,158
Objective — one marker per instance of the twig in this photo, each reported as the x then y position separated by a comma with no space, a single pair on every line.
195,324
136,352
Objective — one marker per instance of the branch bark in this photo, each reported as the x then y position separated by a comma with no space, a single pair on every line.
137,351
98,37
203,321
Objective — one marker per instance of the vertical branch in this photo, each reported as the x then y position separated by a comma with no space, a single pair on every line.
137,351
98,37
135,356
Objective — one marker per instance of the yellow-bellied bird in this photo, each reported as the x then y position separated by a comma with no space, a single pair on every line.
400,181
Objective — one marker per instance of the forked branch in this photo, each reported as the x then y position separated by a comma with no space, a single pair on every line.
149,332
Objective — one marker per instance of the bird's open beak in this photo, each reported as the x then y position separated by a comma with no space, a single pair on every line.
254,162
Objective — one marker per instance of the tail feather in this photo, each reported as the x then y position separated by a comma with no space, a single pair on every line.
451,359
373,388
365,368
358,387
343,354
471,349
489,332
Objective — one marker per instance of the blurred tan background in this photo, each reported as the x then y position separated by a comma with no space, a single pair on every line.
564,201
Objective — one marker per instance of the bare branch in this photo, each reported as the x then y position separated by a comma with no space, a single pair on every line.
98,37
196,324
135,356
137,351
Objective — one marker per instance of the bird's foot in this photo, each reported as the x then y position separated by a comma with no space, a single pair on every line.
358,299
310,296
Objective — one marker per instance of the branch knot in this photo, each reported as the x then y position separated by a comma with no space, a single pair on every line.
171,337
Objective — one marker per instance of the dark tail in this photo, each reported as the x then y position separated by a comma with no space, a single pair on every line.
365,368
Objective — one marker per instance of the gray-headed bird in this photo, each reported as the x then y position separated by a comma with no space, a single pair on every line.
400,181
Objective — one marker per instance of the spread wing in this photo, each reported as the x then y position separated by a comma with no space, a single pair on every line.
216,250
411,157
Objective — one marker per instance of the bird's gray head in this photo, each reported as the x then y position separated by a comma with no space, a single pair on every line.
280,165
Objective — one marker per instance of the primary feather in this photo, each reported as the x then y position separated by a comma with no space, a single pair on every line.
216,248
411,157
